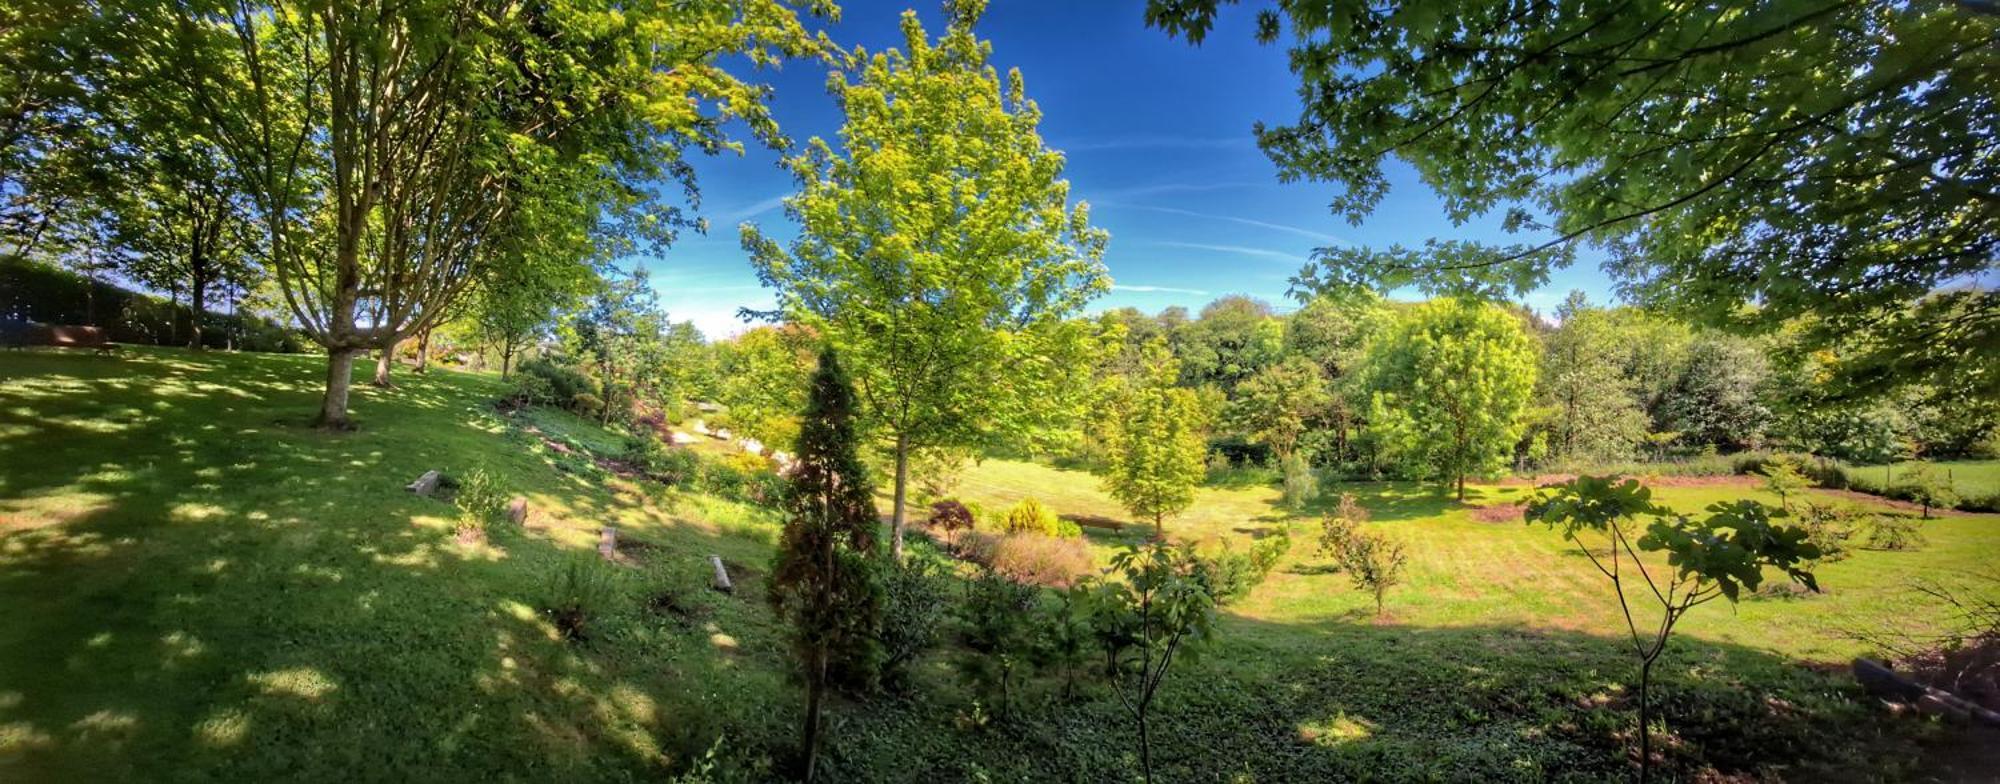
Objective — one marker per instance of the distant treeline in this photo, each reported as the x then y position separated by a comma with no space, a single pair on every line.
34,292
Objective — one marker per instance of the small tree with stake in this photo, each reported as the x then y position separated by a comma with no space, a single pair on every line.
1165,603
1714,558
824,577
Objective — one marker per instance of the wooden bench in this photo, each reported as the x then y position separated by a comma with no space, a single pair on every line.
18,334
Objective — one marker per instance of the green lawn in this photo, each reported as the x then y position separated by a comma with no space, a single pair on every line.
1968,477
198,587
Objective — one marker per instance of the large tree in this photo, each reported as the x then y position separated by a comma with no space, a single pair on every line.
387,147
1449,385
825,575
1275,406
1824,158
937,247
1235,337
1595,406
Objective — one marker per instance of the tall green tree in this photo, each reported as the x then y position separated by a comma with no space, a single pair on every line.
617,331
825,576
1235,337
387,147
1449,385
937,247
1819,158
1595,407
1276,406
1154,460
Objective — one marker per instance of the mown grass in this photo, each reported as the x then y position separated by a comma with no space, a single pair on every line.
199,587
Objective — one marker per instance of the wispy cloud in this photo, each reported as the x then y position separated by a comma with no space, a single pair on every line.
743,212
1238,249
1157,289
1160,189
1158,142
1320,236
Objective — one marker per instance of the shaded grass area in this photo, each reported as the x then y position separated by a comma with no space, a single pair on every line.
198,587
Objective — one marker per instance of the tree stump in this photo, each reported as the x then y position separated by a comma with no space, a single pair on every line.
426,484
607,543
517,511
721,575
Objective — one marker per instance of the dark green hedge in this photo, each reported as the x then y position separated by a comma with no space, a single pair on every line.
35,292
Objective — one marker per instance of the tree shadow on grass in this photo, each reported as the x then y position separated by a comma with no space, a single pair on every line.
194,593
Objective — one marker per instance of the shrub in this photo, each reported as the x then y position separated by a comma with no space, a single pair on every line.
1233,573
1030,517
526,391
1374,562
1783,479
479,500
565,382
1218,464
1923,485
1301,486
950,519
1030,558
915,603
1828,527
1337,529
576,592
998,630
1891,532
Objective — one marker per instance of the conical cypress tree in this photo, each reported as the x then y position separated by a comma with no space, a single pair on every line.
823,578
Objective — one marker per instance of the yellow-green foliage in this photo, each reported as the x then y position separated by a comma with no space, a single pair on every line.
1031,517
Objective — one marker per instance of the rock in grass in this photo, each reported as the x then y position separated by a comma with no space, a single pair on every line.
426,484
517,510
721,575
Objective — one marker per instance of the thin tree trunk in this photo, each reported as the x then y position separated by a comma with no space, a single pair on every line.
1145,748
1461,488
815,690
339,376
1645,720
506,360
424,351
382,363
902,484
1159,527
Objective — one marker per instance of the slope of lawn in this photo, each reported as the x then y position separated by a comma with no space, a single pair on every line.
196,586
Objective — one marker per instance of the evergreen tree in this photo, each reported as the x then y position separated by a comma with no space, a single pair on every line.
823,577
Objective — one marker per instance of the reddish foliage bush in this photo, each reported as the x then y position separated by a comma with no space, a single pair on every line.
1028,558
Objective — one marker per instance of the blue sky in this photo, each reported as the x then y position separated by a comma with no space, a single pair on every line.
1158,140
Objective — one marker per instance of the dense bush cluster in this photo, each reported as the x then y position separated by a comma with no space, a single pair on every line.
46,295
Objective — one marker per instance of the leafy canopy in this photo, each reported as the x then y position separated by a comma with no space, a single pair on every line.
1827,159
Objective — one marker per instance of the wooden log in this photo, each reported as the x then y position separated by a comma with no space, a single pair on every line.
607,543
426,484
1883,682
721,575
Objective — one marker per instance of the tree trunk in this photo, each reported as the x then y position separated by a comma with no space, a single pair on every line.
1159,527
424,351
1645,720
1145,748
815,690
382,363
1461,488
896,518
339,376
197,303
506,360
